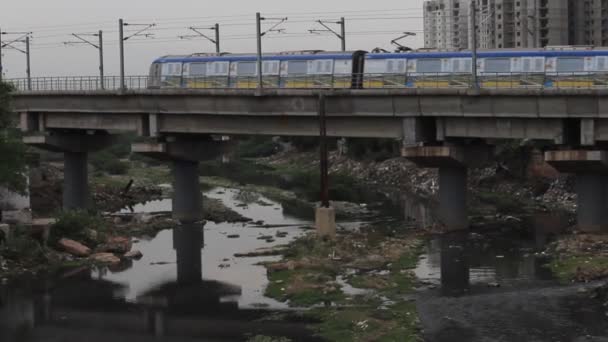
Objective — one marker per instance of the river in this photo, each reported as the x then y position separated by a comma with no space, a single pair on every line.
484,286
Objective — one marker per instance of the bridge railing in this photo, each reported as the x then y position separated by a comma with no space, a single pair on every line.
367,81
77,83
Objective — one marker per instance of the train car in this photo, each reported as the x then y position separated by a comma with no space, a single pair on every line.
301,69
553,67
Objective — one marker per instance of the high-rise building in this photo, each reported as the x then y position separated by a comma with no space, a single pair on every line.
515,23
446,24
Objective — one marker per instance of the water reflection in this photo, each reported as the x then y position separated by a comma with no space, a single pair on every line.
176,292
471,262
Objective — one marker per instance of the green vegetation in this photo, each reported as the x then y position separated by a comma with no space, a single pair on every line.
105,161
310,275
12,150
580,267
298,179
256,147
23,248
262,338
504,203
77,225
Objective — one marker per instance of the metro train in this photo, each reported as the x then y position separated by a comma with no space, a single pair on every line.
552,67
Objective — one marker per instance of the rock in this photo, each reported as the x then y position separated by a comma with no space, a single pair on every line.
74,247
117,244
105,258
134,255
493,285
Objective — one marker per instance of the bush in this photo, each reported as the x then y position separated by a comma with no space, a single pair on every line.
257,147
107,162
117,167
74,225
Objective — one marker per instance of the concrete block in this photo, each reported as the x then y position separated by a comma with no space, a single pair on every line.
325,219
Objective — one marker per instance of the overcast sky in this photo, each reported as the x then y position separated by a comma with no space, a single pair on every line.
369,24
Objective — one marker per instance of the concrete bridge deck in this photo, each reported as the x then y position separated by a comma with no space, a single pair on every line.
179,121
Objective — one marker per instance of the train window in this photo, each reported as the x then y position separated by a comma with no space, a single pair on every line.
375,66
462,65
602,63
172,69
570,64
343,67
396,66
428,65
246,68
532,64
323,67
198,69
497,65
297,67
270,68
217,68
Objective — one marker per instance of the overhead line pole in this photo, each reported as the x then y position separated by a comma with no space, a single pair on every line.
121,40
28,63
259,35
0,54
343,31
474,43
8,44
258,20
98,46
341,35
217,39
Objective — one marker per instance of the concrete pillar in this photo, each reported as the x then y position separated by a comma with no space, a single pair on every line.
591,170
188,241
187,196
453,197
325,219
455,268
592,210
76,186
453,163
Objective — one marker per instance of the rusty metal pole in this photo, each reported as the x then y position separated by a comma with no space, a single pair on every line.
323,153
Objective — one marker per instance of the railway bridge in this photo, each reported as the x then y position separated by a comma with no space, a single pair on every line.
448,129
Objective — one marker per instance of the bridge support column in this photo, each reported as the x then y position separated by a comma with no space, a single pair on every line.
184,153
187,196
75,147
75,181
453,163
591,170
453,197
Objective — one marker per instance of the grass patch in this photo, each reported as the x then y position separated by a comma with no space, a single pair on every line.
308,274
580,268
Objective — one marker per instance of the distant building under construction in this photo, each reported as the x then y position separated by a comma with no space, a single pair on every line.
515,23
